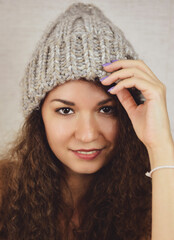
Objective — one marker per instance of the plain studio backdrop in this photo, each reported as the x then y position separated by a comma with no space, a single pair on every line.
147,24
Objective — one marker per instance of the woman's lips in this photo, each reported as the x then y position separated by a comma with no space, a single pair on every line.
87,154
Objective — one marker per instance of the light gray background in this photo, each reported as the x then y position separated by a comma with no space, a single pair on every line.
148,24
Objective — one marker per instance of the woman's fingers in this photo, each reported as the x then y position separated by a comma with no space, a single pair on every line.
150,90
129,64
127,73
134,73
127,101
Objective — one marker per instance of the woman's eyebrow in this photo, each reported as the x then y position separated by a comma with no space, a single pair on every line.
64,101
105,101
73,104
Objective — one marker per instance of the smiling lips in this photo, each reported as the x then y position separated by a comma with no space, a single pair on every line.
88,154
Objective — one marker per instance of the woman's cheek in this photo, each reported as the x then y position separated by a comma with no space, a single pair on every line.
60,128
109,128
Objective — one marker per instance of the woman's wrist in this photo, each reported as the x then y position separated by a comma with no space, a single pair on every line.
161,155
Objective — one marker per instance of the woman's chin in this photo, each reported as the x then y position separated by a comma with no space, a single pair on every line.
82,171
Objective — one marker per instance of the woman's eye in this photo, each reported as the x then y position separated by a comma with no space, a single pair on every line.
65,111
107,109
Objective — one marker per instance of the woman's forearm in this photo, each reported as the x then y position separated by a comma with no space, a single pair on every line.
163,193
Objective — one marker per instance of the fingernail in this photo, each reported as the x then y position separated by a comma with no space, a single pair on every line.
114,60
106,64
103,79
111,88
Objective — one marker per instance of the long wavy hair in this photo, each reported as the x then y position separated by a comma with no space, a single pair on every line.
116,205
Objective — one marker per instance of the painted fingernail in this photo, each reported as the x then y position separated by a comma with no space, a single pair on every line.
114,60
103,79
106,64
111,88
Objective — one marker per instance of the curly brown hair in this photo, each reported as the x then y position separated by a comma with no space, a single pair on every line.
116,205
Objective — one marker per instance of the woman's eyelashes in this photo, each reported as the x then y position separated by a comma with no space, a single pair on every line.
65,111
108,110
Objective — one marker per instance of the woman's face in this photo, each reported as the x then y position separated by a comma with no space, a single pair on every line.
81,126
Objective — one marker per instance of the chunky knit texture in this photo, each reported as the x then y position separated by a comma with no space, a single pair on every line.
75,46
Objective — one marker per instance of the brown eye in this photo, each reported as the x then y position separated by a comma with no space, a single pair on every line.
65,111
107,109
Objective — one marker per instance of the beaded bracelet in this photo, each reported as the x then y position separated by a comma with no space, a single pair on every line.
149,174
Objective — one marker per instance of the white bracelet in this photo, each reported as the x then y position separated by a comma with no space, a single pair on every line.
149,174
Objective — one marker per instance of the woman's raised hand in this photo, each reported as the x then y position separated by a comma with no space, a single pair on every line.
150,119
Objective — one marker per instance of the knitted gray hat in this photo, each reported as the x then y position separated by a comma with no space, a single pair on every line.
74,46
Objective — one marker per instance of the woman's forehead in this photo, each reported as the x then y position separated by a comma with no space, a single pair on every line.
79,88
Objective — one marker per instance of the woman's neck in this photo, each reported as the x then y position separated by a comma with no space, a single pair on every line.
77,187
78,184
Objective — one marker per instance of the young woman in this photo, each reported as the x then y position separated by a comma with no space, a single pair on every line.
95,122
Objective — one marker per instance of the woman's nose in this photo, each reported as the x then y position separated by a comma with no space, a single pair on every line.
87,129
